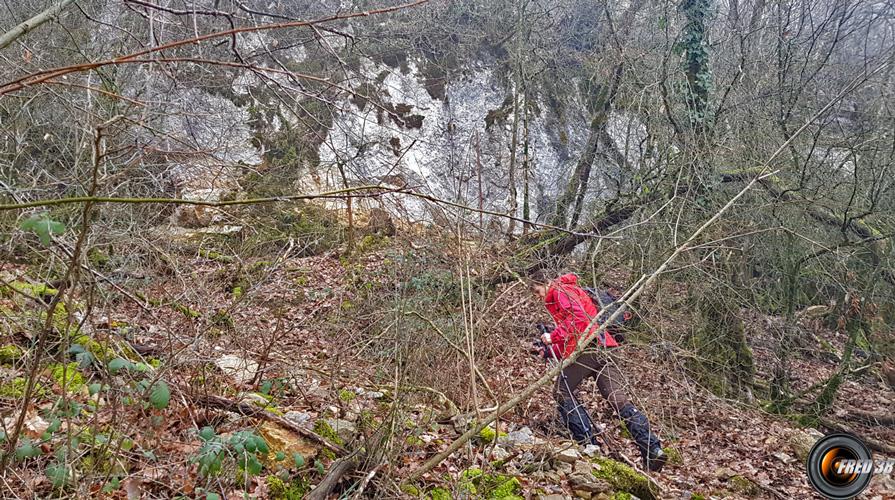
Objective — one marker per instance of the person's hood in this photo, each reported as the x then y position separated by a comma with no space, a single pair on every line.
568,279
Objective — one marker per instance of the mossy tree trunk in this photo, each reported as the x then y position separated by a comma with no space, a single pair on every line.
854,325
600,100
723,358
696,65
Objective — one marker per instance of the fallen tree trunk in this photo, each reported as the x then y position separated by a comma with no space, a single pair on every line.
870,418
370,455
871,443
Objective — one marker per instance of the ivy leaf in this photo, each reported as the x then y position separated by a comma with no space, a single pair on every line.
54,426
161,395
84,359
207,433
27,450
43,226
262,445
253,466
117,364
58,474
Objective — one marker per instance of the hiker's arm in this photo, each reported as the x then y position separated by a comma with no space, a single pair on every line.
558,340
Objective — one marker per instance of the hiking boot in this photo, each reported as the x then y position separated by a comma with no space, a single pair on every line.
575,417
648,443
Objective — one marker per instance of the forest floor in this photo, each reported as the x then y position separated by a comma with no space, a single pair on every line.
302,343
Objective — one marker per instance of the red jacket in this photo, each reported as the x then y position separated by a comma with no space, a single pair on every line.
573,311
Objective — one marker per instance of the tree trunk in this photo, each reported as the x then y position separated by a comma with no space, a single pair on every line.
696,65
512,173
526,170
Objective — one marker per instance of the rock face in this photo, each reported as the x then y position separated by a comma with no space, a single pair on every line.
415,143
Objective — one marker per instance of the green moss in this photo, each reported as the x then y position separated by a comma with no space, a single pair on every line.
67,376
99,351
37,290
237,292
10,354
410,489
507,488
624,429
623,478
414,441
439,494
697,496
621,495
372,242
475,482
281,490
185,310
674,456
488,434
15,388
326,431
743,486
222,319
347,396
217,256
97,258
268,405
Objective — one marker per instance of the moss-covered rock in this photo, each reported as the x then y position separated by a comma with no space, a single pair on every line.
744,486
279,489
323,429
623,478
107,349
36,290
476,482
97,258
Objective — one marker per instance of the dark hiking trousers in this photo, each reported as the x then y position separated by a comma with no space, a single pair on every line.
591,364
609,381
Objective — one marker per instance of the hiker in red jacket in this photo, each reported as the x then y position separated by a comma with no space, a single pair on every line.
573,312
